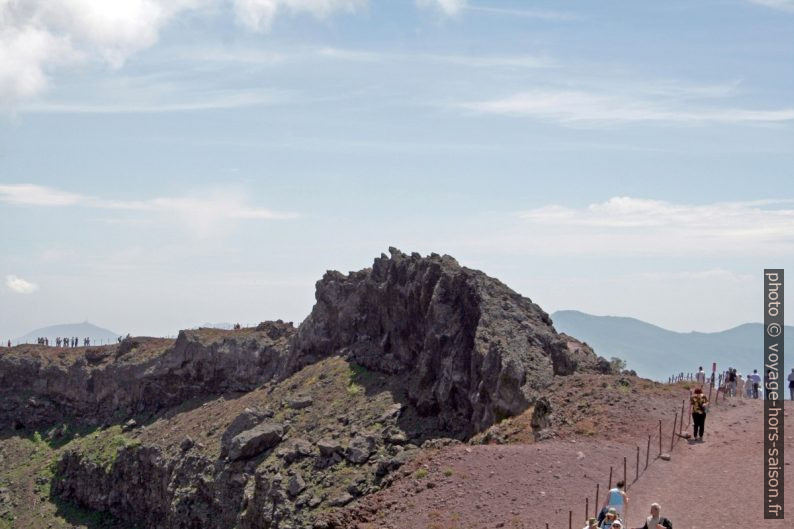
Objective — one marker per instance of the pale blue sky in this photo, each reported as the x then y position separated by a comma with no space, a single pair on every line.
167,163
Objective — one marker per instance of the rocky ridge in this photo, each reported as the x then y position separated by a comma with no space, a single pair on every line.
268,427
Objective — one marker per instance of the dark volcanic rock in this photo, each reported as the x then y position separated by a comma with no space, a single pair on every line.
255,441
471,350
245,421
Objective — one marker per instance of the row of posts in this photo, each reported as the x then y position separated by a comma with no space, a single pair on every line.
676,435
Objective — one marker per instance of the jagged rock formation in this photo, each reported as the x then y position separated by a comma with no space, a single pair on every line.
293,421
470,349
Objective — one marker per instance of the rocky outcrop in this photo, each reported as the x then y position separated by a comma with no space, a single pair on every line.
411,349
470,349
583,358
41,386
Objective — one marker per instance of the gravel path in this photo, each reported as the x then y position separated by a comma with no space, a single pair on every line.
524,486
717,483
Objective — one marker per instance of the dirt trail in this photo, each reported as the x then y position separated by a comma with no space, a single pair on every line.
717,483
524,486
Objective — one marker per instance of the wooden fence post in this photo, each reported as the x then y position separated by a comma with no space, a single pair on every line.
683,404
637,470
586,508
648,453
598,487
660,437
625,480
672,438
610,479
570,519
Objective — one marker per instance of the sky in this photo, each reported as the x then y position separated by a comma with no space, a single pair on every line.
166,163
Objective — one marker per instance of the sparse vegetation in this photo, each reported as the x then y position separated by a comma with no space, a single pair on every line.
421,473
103,447
617,365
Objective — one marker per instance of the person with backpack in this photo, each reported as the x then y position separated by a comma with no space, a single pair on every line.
656,520
699,404
732,382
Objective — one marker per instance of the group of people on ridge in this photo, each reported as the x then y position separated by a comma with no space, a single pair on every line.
62,342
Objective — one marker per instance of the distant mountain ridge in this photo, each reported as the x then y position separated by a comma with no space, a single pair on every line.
656,352
97,334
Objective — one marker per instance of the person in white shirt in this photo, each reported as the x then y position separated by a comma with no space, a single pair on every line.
700,376
756,380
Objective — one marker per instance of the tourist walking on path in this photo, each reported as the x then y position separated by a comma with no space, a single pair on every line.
656,520
617,499
699,408
740,386
700,376
791,383
756,381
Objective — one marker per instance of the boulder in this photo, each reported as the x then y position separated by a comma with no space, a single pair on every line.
360,449
299,402
328,447
244,421
296,485
255,441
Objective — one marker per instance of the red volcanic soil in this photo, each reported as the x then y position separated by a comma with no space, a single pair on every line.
528,484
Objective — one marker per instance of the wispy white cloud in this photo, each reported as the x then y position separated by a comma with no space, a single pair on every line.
783,5
166,103
259,14
20,286
476,61
594,108
628,226
205,214
448,7
35,195
543,14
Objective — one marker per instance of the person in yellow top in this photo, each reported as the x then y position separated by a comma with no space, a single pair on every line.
700,405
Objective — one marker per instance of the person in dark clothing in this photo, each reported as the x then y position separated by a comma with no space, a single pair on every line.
656,520
699,407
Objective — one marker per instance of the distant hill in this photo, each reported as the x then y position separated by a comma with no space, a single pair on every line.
656,353
98,335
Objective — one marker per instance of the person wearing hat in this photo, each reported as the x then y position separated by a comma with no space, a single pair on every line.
592,523
610,519
656,520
